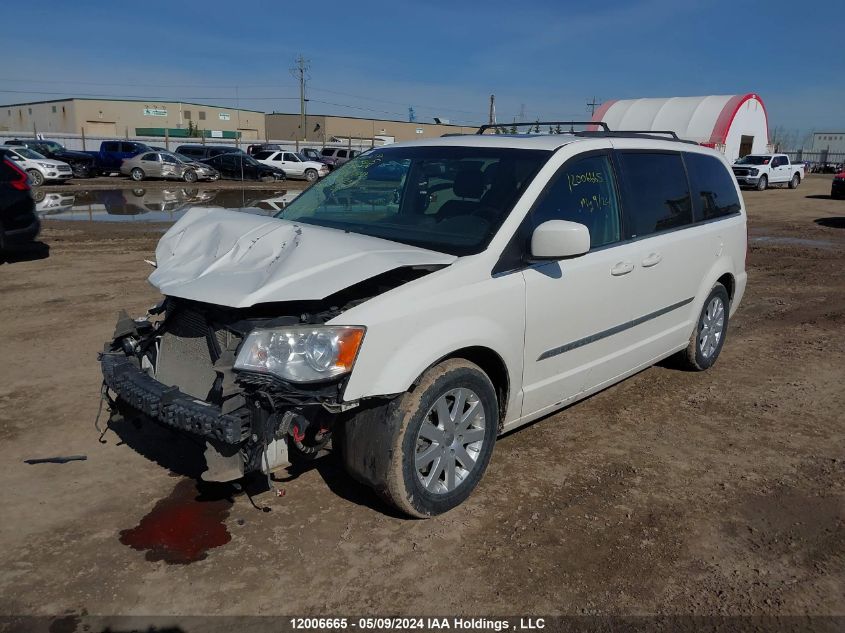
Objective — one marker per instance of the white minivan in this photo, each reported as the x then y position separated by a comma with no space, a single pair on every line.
428,296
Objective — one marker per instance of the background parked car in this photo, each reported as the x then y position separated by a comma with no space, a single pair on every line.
201,152
39,168
166,165
837,189
293,165
336,156
18,222
112,154
239,166
252,150
311,153
82,164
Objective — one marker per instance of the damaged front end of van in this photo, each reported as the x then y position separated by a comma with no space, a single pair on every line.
246,351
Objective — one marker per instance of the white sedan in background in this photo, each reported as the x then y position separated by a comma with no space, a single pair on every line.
294,165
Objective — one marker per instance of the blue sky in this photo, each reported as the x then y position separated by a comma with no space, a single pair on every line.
374,58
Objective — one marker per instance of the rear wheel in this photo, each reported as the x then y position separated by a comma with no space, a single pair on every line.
81,170
708,337
36,177
311,175
763,183
190,176
432,450
796,180
137,174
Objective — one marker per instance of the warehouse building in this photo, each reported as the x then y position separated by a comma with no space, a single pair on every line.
321,128
123,117
736,125
832,142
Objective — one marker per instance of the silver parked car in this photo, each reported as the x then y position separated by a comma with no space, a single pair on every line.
166,165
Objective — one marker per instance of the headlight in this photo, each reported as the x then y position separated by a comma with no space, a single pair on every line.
753,172
47,165
301,353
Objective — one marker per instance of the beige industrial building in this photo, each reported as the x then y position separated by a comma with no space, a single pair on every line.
121,118
322,128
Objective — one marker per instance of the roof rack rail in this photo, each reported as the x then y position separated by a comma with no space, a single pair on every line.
571,124
669,132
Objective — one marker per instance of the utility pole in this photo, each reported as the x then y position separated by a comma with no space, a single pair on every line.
592,106
300,73
492,118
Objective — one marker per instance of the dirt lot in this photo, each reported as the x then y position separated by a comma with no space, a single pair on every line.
671,493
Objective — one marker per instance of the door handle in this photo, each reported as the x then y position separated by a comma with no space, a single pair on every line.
622,268
652,260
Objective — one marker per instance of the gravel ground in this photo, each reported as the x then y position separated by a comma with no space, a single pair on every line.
717,493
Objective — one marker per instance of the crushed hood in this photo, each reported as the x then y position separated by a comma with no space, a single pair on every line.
237,259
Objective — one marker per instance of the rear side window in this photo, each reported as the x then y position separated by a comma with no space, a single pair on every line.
327,152
341,153
713,191
656,193
583,191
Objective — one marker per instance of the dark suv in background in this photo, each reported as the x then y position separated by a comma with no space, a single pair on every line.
83,164
18,223
202,152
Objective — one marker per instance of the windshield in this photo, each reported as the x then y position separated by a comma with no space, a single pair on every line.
754,160
448,199
28,153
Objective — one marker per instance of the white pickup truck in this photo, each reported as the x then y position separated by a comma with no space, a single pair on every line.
762,170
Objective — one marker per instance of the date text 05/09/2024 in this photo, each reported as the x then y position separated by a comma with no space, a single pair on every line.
423,623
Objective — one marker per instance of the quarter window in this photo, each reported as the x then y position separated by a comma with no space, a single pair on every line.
583,191
713,191
656,193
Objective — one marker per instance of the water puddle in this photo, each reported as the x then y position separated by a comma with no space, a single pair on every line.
793,241
183,527
155,205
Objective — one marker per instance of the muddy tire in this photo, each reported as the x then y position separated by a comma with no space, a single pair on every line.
426,450
709,333
35,177
190,176
796,180
763,183
311,175
137,174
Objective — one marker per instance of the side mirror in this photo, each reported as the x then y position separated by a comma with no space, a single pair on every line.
557,239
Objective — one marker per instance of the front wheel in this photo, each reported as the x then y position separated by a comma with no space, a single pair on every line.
35,177
81,170
432,449
137,174
708,337
311,175
763,183
796,180
190,176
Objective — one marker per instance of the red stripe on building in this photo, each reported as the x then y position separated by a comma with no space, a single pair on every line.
727,116
598,115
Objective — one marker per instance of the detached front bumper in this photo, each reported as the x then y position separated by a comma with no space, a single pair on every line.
168,405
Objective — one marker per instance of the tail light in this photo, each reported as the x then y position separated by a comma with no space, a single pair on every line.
20,180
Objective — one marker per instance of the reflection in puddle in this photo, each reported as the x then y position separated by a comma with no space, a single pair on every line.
155,205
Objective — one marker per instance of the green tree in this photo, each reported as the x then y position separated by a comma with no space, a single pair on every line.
513,128
558,130
537,126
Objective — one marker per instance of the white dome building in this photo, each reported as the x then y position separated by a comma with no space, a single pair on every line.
734,124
